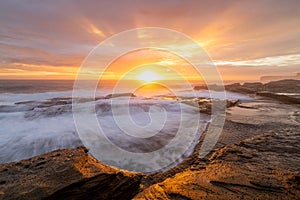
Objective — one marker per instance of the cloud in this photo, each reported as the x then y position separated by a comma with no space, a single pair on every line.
62,33
285,60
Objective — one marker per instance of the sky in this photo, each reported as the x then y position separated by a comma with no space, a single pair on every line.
245,39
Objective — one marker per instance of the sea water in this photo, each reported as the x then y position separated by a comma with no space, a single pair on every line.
36,117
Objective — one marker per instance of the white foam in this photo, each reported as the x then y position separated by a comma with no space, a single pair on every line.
22,138
26,133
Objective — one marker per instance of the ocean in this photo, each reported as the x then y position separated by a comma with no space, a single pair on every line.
37,116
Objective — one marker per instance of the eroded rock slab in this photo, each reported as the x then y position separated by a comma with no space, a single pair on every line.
65,174
263,167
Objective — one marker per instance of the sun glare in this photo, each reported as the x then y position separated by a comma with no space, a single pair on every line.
148,76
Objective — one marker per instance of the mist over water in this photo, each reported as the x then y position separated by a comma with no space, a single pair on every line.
36,118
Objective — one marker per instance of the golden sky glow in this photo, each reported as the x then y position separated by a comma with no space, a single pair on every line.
148,76
246,40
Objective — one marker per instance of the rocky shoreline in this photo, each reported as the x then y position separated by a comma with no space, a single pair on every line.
256,157
66,174
263,167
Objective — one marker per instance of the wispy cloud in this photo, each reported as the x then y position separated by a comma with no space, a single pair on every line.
235,33
285,60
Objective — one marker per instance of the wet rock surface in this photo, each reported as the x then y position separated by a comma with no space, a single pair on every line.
256,157
281,97
207,106
66,174
262,167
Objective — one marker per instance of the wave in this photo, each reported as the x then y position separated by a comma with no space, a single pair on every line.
37,123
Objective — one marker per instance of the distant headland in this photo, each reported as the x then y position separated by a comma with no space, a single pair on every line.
277,78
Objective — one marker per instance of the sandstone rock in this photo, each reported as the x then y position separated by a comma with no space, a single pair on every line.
263,167
65,174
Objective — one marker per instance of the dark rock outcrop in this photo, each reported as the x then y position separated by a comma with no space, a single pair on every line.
284,90
66,174
206,105
213,87
246,88
283,86
120,95
200,87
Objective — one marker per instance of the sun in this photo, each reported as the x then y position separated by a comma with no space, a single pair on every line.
148,76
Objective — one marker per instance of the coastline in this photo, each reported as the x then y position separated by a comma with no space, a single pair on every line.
256,157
